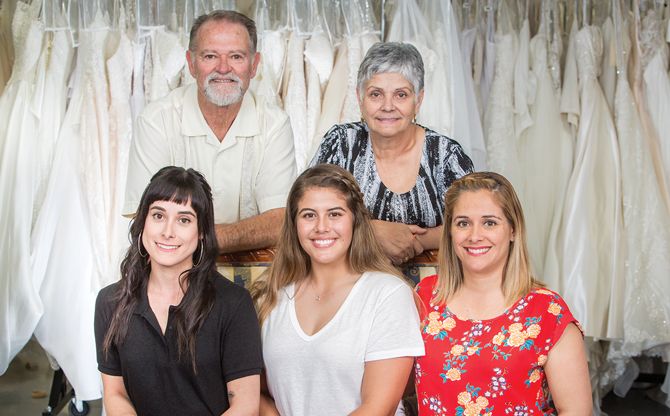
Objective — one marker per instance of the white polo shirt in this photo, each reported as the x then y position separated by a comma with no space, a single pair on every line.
250,171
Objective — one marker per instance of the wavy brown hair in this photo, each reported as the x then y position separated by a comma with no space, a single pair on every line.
292,264
181,186
518,279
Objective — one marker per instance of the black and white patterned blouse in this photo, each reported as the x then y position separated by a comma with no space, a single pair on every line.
443,161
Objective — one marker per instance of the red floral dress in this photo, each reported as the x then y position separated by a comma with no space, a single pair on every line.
490,367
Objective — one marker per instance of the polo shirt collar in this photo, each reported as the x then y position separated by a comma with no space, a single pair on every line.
143,306
144,309
193,123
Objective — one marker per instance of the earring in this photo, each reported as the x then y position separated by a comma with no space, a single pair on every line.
202,250
139,247
414,120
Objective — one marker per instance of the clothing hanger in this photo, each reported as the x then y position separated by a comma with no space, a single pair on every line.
585,12
490,10
331,14
53,12
88,12
223,5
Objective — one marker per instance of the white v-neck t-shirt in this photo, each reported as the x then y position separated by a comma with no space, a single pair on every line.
322,374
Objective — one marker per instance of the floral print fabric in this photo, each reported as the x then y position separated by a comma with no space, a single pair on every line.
489,367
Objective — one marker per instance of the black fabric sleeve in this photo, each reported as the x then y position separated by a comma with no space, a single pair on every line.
457,164
330,149
241,349
108,362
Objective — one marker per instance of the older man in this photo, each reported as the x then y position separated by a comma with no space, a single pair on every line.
242,145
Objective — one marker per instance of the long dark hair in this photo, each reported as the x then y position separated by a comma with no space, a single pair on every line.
180,186
292,264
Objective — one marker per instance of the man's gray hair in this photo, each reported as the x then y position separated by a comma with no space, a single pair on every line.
402,58
230,16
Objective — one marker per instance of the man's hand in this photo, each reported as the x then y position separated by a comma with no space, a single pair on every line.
259,231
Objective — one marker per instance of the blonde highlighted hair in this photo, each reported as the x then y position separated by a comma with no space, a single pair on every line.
292,264
518,279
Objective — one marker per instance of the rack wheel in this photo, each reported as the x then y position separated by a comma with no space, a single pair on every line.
75,412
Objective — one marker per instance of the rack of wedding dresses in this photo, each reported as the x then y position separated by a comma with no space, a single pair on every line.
568,99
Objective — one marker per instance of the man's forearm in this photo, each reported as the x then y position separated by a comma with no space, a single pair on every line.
259,231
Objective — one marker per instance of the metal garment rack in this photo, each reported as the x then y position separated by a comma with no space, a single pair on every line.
61,395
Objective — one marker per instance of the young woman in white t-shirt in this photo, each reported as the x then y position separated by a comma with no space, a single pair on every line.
340,327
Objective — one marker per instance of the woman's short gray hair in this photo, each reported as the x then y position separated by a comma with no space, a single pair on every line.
402,58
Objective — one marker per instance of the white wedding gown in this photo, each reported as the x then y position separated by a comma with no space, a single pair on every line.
120,72
570,92
6,47
51,97
20,305
460,120
168,58
319,57
657,83
545,156
590,240
499,131
71,235
357,46
334,94
267,82
647,241
524,82
608,75
295,95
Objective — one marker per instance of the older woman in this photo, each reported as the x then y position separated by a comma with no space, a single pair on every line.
403,169
497,342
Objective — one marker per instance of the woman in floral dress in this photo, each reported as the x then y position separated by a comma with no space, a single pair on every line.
497,342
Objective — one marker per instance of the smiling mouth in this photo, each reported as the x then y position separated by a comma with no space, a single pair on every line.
323,242
478,250
167,247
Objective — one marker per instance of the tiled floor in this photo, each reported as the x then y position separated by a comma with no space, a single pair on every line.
30,373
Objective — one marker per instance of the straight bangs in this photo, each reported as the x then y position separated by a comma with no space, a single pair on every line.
180,191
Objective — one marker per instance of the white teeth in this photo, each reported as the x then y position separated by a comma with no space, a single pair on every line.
478,250
166,247
323,242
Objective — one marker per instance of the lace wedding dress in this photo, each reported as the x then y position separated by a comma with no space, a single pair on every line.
647,242
657,82
501,141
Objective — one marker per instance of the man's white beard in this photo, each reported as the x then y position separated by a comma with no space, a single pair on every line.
219,98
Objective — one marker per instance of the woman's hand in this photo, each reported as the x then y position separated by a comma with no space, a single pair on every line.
399,240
